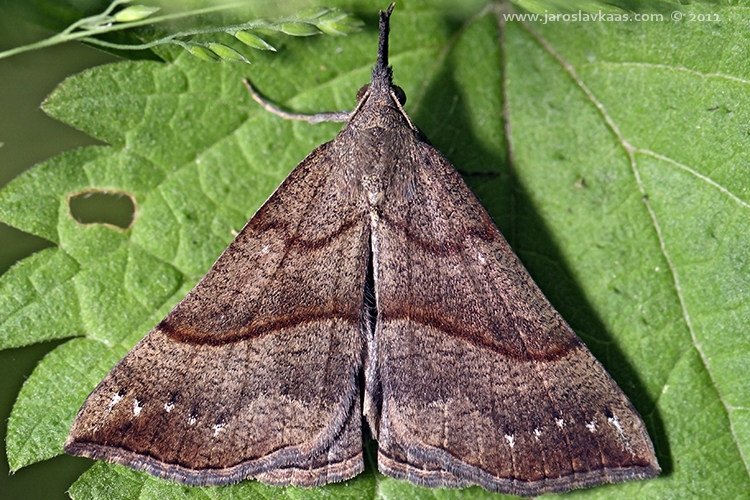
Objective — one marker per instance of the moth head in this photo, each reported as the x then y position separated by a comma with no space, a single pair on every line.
397,91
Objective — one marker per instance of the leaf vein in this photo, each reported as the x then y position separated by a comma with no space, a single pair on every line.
630,150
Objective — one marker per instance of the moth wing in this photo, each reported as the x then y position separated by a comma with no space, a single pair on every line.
254,374
482,381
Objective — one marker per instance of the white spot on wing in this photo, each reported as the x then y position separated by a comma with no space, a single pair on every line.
615,422
591,426
168,406
115,399
537,434
264,250
511,439
218,428
137,407
560,422
191,420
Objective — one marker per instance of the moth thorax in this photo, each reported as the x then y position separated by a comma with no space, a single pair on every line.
373,187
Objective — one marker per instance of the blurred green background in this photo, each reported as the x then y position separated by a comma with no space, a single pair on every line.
29,136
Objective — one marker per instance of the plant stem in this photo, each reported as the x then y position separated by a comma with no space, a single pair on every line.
69,34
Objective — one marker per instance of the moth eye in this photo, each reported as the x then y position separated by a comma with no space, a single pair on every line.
361,91
400,94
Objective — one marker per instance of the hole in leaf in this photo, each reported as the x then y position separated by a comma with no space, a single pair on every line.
103,207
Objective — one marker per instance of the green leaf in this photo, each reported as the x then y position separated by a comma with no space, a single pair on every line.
613,156
35,428
113,482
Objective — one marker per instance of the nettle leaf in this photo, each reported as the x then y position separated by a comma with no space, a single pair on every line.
622,183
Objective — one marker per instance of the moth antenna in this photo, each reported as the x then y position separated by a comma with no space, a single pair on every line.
381,71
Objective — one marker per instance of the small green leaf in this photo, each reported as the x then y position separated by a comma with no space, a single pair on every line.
338,23
202,52
268,30
252,40
135,13
227,53
298,28
313,12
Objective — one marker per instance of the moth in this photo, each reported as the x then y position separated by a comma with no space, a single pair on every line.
371,289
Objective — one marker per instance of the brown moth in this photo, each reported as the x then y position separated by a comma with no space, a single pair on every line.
371,283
